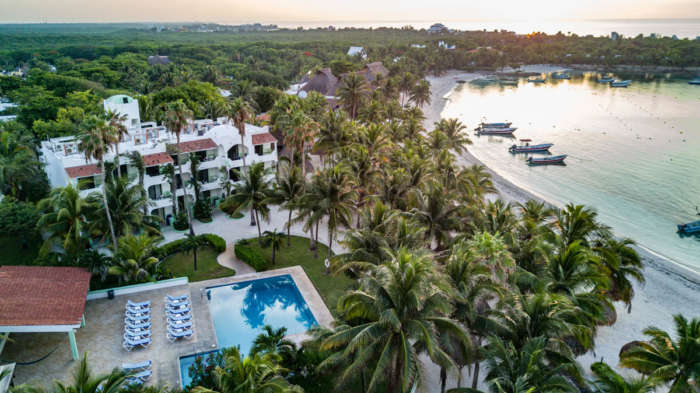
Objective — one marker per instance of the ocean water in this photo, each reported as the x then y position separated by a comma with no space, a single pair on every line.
633,153
240,311
683,28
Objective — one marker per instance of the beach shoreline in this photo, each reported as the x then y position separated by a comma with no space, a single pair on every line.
670,288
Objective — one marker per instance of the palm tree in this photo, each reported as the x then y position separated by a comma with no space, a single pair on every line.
254,374
136,160
474,183
287,191
608,381
453,129
274,240
134,262
665,359
621,263
83,381
65,220
17,163
420,93
115,121
301,135
169,172
253,193
334,195
576,222
333,134
176,116
526,369
394,316
241,112
352,92
434,208
93,143
405,86
273,341
192,244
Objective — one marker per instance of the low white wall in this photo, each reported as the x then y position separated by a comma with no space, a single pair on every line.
149,286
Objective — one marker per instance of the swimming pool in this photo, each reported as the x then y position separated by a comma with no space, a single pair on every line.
240,310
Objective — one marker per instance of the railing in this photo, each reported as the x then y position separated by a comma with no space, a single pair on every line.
125,290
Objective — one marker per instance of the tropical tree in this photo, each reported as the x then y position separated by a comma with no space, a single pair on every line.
241,112
301,135
334,195
258,373
434,208
94,142
420,93
176,116
193,244
608,381
273,341
65,220
453,130
352,92
134,262
115,122
391,319
287,190
168,171
667,360
136,160
621,263
18,163
273,239
253,193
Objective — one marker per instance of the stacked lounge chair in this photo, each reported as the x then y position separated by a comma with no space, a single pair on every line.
139,372
137,328
179,317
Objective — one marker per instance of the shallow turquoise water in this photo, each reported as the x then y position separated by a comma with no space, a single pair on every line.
634,153
240,311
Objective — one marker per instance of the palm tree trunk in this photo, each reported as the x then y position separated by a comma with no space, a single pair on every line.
289,229
194,252
443,379
109,215
273,255
303,162
116,159
173,191
476,365
330,238
184,189
257,221
252,217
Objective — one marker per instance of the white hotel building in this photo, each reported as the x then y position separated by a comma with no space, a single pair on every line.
217,143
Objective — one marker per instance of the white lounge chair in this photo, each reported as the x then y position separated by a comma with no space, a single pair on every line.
179,311
176,334
179,317
132,367
180,325
139,325
144,375
176,299
136,314
138,335
129,344
183,303
137,320
139,305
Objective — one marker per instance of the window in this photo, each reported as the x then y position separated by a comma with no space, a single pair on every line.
125,100
86,183
203,176
133,122
259,150
153,170
155,192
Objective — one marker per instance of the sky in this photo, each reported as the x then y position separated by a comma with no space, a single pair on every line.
275,11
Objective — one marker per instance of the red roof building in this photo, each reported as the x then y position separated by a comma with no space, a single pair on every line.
157,159
83,171
199,144
259,139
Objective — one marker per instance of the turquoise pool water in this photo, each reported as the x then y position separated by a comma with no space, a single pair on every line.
240,311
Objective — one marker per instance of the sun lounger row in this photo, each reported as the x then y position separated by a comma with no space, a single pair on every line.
139,372
178,317
137,327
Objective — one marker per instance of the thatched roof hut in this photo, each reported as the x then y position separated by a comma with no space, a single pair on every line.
323,82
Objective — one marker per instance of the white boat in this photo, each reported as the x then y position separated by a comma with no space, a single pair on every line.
620,83
495,130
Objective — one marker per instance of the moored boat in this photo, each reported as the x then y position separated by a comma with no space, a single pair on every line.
617,83
606,79
553,160
495,131
690,227
528,148
695,81
537,80
508,82
561,75
495,125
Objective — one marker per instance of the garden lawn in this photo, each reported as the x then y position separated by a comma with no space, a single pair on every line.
181,264
330,287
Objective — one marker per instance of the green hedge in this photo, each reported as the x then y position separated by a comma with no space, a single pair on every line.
251,256
215,241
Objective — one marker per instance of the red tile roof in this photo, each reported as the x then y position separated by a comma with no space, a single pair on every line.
199,144
83,170
42,295
259,139
157,159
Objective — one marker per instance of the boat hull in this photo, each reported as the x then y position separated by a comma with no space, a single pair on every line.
688,228
554,160
620,84
531,149
496,131
694,82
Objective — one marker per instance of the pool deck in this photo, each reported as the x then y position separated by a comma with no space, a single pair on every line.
101,337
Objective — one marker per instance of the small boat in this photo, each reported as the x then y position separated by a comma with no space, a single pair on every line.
528,148
690,227
537,80
495,131
508,82
561,75
606,79
617,83
695,81
494,125
553,160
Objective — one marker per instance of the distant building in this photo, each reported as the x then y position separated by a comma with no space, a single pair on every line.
437,28
614,36
357,51
445,45
324,82
156,59
225,93
419,46
674,37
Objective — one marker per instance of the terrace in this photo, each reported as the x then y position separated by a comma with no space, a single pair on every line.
101,337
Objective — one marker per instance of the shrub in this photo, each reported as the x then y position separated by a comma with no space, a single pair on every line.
228,206
215,241
251,256
203,209
180,245
180,222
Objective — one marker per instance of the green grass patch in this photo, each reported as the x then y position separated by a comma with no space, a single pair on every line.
181,264
330,287
13,253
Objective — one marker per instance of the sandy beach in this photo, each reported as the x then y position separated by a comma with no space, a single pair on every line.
669,288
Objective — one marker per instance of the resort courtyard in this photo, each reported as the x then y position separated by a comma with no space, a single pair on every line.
101,337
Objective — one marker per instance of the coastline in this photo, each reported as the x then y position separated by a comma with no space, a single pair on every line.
670,288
